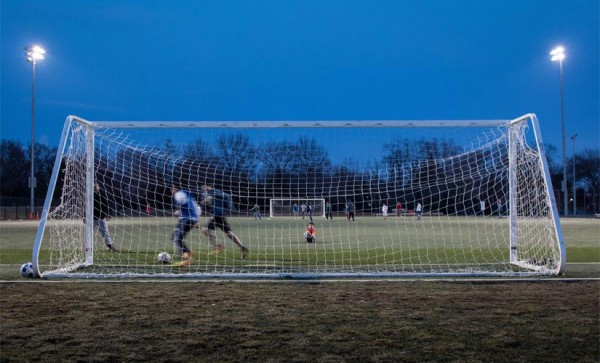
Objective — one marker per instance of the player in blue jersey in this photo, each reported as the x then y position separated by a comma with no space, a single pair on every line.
220,202
187,211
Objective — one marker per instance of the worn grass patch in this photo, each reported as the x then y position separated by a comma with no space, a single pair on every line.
359,321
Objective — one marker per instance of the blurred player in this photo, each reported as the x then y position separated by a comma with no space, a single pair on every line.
187,211
418,211
384,211
256,212
219,201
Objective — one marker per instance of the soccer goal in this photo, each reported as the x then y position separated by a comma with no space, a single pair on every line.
476,199
297,207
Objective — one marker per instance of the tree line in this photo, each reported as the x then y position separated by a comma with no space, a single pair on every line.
408,171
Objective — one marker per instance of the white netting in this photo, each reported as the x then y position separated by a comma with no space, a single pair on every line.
484,202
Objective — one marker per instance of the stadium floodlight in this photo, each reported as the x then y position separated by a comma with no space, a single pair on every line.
574,188
32,55
558,55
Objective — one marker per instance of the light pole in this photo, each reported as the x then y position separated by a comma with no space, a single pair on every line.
557,55
574,190
32,55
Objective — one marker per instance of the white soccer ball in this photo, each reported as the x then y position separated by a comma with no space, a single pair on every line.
164,257
27,270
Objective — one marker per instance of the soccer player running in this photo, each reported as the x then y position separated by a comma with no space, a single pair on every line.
419,211
384,211
187,211
218,199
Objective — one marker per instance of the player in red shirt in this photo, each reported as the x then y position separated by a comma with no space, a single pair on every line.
311,233
399,209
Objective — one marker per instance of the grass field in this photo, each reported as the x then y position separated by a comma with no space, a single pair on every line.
371,244
385,320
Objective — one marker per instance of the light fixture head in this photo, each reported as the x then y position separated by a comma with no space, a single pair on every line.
34,53
557,54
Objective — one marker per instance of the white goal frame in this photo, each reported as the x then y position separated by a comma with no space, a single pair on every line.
530,266
299,201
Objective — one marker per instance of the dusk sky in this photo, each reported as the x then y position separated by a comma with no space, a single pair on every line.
300,60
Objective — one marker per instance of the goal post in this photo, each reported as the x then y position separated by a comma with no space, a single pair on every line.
291,207
475,195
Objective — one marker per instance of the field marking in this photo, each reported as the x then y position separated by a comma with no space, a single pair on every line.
311,280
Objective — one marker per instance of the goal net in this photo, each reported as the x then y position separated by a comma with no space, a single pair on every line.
402,198
297,207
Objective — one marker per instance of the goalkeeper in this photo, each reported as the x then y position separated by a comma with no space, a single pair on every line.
219,201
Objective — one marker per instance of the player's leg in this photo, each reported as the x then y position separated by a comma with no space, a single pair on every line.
177,238
184,226
224,225
209,231
103,229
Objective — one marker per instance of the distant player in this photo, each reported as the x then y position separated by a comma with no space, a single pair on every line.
256,212
384,211
399,209
295,210
309,209
351,211
187,211
418,211
303,209
500,206
328,213
219,201
311,233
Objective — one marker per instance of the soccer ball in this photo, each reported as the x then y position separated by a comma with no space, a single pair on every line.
164,257
27,270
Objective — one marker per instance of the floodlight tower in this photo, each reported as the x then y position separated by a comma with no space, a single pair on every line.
33,53
557,55
574,190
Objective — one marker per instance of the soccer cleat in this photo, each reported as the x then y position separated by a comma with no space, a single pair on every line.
244,252
216,250
111,248
186,260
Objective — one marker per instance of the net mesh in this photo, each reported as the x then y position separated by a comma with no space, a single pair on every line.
451,205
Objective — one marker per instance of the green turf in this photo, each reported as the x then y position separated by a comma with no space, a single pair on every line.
368,245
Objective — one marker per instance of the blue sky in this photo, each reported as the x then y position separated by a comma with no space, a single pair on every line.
300,60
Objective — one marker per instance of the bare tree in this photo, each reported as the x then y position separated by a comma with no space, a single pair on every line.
236,153
278,156
310,157
199,150
13,174
587,166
